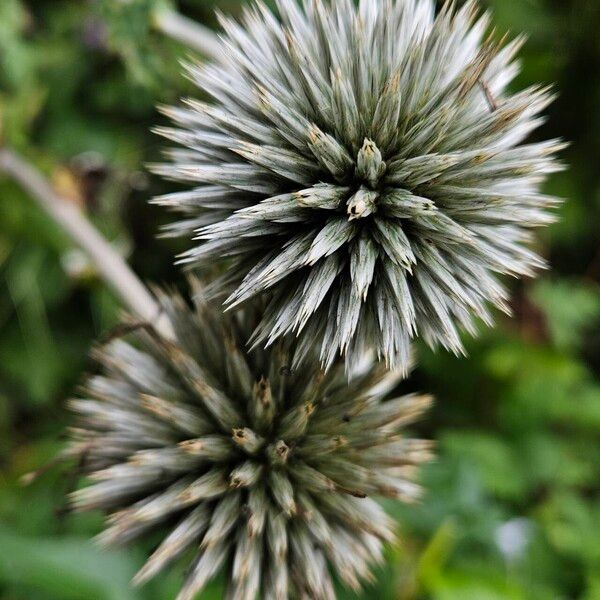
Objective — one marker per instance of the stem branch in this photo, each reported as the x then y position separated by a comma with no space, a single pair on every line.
111,266
188,32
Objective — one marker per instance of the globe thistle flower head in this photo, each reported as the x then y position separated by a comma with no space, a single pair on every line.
241,463
362,166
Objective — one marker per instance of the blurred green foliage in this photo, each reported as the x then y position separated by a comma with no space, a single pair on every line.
512,509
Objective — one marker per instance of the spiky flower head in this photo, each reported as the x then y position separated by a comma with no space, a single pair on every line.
241,462
363,165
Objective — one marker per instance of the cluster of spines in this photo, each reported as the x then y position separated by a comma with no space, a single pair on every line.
361,168
265,468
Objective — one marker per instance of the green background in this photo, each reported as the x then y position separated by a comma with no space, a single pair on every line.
512,507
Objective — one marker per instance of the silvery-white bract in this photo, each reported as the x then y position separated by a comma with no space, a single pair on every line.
365,166
242,463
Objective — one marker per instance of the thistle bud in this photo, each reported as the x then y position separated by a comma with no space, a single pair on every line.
362,165
271,480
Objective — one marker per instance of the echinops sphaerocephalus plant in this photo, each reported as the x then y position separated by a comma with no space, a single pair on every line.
362,167
241,463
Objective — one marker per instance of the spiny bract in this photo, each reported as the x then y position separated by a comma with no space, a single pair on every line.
363,165
241,461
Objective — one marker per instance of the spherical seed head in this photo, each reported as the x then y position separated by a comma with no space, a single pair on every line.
242,462
363,167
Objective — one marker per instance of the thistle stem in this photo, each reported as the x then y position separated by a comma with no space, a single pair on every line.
111,266
188,32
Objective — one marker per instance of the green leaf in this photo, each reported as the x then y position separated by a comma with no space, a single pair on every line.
64,568
571,308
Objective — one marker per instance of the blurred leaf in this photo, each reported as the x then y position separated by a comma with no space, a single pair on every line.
495,462
571,307
436,554
573,528
65,569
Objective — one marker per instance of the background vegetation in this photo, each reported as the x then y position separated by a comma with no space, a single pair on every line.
512,509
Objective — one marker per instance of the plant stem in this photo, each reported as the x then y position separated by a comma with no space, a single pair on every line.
188,32
111,266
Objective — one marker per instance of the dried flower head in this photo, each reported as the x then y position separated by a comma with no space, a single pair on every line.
242,462
363,165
